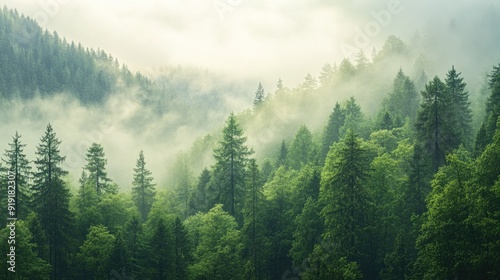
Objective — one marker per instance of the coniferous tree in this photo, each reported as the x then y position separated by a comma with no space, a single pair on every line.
143,189
253,226
403,101
199,200
435,123
346,201
460,106
229,172
133,240
160,262
331,133
95,253
259,96
118,259
485,134
302,149
51,201
353,118
182,255
16,162
96,168
326,75
281,159
28,264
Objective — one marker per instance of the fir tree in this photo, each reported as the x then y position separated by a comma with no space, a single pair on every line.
96,168
281,159
460,102
435,123
16,162
229,172
346,200
143,190
259,96
51,201
331,133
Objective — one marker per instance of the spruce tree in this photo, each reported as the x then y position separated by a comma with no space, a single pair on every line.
281,159
331,133
231,158
143,190
182,255
96,168
435,123
51,201
16,162
460,106
259,96
199,200
253,226
302,149
346,201
485,134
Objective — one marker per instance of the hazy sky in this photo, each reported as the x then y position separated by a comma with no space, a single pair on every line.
257,39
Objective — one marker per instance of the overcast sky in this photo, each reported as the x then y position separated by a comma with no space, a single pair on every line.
256,39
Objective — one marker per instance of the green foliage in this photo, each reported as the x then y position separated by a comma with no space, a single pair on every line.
302,150
259,96
95,253
96,168
28,264
229,171
307,233
218,251
51,201
199,200
346,200
460,106
353,118
16,162
143,190
331,133
485,134
254,230
435,123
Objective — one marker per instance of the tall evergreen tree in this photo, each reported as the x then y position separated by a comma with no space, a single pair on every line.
460,106
199,200
229,172
160,263
346,201
403,101
302,149
182,255
143,190
51,201
331,133
353,118
485,134
253,226
16,162
259,96
281,159
326,75
96,167
435,123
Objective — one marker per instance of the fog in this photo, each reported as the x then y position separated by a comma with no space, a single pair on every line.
244,43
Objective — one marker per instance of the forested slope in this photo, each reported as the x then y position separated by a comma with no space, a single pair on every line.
310,182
